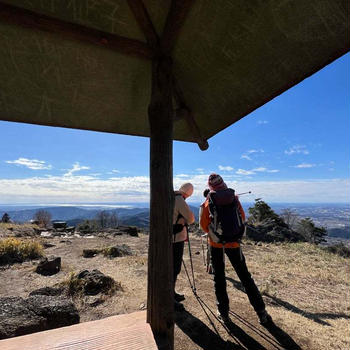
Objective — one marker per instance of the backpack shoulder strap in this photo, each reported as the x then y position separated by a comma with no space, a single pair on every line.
212,204
179,216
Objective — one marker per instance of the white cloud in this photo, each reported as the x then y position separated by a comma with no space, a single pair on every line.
304,165
115,171
245,156
244,172
260,122
297,149
256,170
76,167
225,168
182,175
87,189
251,151
265,170
200,170
255,151
33,164
260,169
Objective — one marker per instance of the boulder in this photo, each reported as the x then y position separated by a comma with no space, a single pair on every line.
48,245
118,250
49,291
95,282
58,312
90,253
129,230
17,319
46,234
20,316
49,266
132,231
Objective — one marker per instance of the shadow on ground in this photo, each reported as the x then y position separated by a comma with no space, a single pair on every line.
316,317
208,339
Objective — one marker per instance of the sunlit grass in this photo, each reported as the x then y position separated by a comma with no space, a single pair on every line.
16,250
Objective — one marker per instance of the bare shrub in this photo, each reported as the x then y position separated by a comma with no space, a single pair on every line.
43,218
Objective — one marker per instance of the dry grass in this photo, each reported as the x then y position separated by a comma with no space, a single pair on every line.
16,250
306,290
17,230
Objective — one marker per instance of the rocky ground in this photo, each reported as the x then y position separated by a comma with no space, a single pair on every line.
305,289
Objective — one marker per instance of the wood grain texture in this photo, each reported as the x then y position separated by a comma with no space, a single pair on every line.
122,332
160,297
73,31
144,21
175,19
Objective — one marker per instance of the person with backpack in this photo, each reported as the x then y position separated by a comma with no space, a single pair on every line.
208,257
222,217
183,216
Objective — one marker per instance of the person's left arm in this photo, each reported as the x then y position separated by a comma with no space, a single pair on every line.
204,219
186,212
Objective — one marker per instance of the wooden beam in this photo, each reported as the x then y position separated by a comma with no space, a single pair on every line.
183,111
144,21
72,31
160,294
175,19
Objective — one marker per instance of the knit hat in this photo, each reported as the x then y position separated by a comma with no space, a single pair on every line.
187,189
215,182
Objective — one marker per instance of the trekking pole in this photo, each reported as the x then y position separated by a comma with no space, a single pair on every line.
204,262
241,194
190,254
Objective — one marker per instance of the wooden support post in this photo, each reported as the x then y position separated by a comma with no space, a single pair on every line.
160,297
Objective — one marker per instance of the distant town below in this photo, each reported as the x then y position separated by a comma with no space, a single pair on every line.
335,217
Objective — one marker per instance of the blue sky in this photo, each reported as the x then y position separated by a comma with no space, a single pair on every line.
295,148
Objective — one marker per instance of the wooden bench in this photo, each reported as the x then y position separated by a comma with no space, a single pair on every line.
128,331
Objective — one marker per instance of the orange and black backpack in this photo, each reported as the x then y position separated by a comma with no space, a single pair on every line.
226,221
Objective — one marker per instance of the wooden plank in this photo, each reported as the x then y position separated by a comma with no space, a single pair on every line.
175,19
72,31
144,21
120,332
160,311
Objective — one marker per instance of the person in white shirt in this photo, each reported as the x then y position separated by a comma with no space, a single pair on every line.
183,216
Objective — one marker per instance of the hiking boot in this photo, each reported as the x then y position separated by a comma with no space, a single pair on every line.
179,297
223,317
264,318
178,306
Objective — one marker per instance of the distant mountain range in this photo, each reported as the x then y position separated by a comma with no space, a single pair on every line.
75,215
335,217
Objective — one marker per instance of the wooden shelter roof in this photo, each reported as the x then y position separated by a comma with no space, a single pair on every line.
230,58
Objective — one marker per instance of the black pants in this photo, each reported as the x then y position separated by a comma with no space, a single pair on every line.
238,262
178,250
